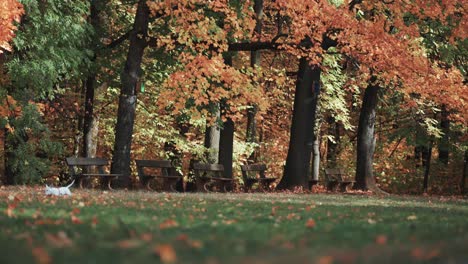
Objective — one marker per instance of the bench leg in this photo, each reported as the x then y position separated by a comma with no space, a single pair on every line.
148,185
331,185
344,186
109,182
248,186
170,185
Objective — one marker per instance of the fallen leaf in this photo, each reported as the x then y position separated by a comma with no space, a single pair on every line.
325,260
310,223
76,220
273,210
169,223
42,257
411,217
195,244
128,243
381,240
166,252
59,240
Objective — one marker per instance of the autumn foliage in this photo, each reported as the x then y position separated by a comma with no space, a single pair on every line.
10,11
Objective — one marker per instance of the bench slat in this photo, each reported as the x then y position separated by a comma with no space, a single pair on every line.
154,163
72,161
207,167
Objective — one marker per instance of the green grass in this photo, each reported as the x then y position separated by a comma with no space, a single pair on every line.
139,227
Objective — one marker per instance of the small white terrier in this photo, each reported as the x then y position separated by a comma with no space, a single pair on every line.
58,191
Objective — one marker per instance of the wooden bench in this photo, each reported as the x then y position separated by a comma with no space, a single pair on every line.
167,172
209,177
87,166
335,177
255,173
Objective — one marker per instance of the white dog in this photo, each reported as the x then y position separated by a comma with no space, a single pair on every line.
59,191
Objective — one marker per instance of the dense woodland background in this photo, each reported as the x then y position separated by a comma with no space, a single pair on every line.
375,87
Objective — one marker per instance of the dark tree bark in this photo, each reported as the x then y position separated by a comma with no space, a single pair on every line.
366,140
88,118
465,172
226,144
313,135
89,122
427,165
255,59
127,100
303,120
226,141
332,147
444,141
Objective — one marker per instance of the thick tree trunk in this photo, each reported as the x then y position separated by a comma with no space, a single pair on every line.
303,120
332,146
212,136
88,119
465,172
255,59
89,122
127,100
427,165
366,140
226,142
226,145
444,143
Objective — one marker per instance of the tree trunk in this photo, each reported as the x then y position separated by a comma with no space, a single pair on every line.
465,172
89,122
127,100
255,59
226,142
303,120
226,145
444,142
332,146
366,141
212,136
88,119
427,165
316,159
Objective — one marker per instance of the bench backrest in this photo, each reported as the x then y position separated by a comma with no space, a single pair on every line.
334,174
86,164
72,161
165,166
255,169
204,169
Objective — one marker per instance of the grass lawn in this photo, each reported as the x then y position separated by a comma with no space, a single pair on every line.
94,226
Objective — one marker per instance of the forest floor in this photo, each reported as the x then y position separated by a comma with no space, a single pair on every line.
95,226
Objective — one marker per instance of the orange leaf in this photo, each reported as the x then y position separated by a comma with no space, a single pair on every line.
166,252
129,243
59,240
381,240
325,260
169,223
76,220
41,255
310,223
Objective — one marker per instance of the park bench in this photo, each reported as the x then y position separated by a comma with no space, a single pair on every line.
335,177
255,173
151,170
83,168
210,177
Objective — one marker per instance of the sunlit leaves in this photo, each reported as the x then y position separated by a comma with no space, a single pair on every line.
10,12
